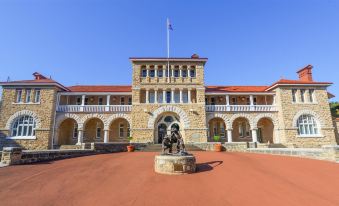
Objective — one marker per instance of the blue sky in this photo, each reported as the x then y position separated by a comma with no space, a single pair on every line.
248,42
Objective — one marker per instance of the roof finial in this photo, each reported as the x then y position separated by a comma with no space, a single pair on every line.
8,79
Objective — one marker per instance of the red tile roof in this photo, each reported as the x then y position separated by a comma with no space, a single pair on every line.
235,89
100,88
287,82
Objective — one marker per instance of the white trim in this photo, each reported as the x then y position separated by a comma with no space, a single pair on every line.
239,93
93,93
22,137
23,113
33,84
26,103
276,85
310,136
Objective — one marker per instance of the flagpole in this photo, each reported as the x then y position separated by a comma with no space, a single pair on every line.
168,50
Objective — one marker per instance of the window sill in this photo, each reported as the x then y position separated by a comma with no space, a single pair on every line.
310,136
24,103
22,137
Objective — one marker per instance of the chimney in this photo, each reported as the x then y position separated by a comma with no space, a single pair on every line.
305,74
38,76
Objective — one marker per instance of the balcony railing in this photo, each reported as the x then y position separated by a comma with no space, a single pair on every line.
94,108
241,108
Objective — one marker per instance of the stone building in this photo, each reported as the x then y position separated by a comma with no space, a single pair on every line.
166,93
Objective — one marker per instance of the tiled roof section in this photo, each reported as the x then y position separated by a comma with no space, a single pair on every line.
295,82
222,89
100,88
31,81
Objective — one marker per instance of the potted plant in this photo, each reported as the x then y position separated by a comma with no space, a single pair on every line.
217,146
130,147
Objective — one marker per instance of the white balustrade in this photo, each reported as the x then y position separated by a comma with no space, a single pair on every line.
241,108
94,108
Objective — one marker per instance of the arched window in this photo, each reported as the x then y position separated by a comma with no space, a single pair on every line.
307,125
24,126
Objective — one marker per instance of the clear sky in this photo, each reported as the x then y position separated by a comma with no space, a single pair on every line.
248,42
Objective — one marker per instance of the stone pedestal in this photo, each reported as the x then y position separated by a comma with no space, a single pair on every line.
174,164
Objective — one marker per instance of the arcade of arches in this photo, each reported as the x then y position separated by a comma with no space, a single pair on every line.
119,131
241,130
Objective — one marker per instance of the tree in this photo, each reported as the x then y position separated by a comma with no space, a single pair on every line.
334,109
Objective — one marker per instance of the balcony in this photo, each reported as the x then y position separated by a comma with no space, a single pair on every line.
94,108
241,108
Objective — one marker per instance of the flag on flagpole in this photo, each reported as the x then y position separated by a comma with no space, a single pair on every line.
169,25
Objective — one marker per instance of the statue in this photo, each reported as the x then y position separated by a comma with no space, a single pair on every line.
169,140
166,145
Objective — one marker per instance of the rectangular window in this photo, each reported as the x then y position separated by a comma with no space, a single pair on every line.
98,131
192,72
160,73
168,97
122,100
28,96
294,95
176,73
100,101
144,73
311,95
185,96
212,101
184,73
78,101
37,95
129,100
86,101
75,131
254,100
176,96
18,95
234,101
302,95
152,73
121,130
151,97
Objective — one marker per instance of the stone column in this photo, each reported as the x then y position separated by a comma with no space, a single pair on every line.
189,95
274,99
108,97
251,103
181,100
164,72
180,71
155,71
82,103
11,155
106,138
188,72
156,96
147,96
147,71
172,95
254,135
229,135
164,96
80,139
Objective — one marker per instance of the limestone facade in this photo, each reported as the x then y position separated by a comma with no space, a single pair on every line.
166,94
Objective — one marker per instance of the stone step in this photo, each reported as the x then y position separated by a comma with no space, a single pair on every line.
157,148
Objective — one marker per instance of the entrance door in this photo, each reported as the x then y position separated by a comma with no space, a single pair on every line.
162,130
259,134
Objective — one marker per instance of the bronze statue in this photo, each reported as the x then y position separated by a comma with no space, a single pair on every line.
166,145
169,140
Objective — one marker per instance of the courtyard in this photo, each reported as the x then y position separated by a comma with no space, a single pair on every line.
129,179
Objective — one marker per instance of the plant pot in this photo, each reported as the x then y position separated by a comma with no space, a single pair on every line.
130,148
217,148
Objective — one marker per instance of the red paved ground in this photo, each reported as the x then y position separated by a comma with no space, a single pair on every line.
128,179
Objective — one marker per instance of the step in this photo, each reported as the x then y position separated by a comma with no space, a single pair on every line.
158,148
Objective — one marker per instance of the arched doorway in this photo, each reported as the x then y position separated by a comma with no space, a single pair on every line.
265,130
93,130
68,132
119,130
217,127
164,125
241,130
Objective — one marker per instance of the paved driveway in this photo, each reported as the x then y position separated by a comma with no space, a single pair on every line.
128,179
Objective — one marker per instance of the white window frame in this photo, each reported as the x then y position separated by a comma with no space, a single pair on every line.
28,93
37,96
18,96
311,96
16,125
307,126
121,130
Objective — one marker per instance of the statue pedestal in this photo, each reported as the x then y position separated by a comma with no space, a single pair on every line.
174,164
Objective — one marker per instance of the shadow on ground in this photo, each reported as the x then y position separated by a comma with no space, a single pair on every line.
207,166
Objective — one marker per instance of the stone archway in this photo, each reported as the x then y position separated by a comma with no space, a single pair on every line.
180,112
163,125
